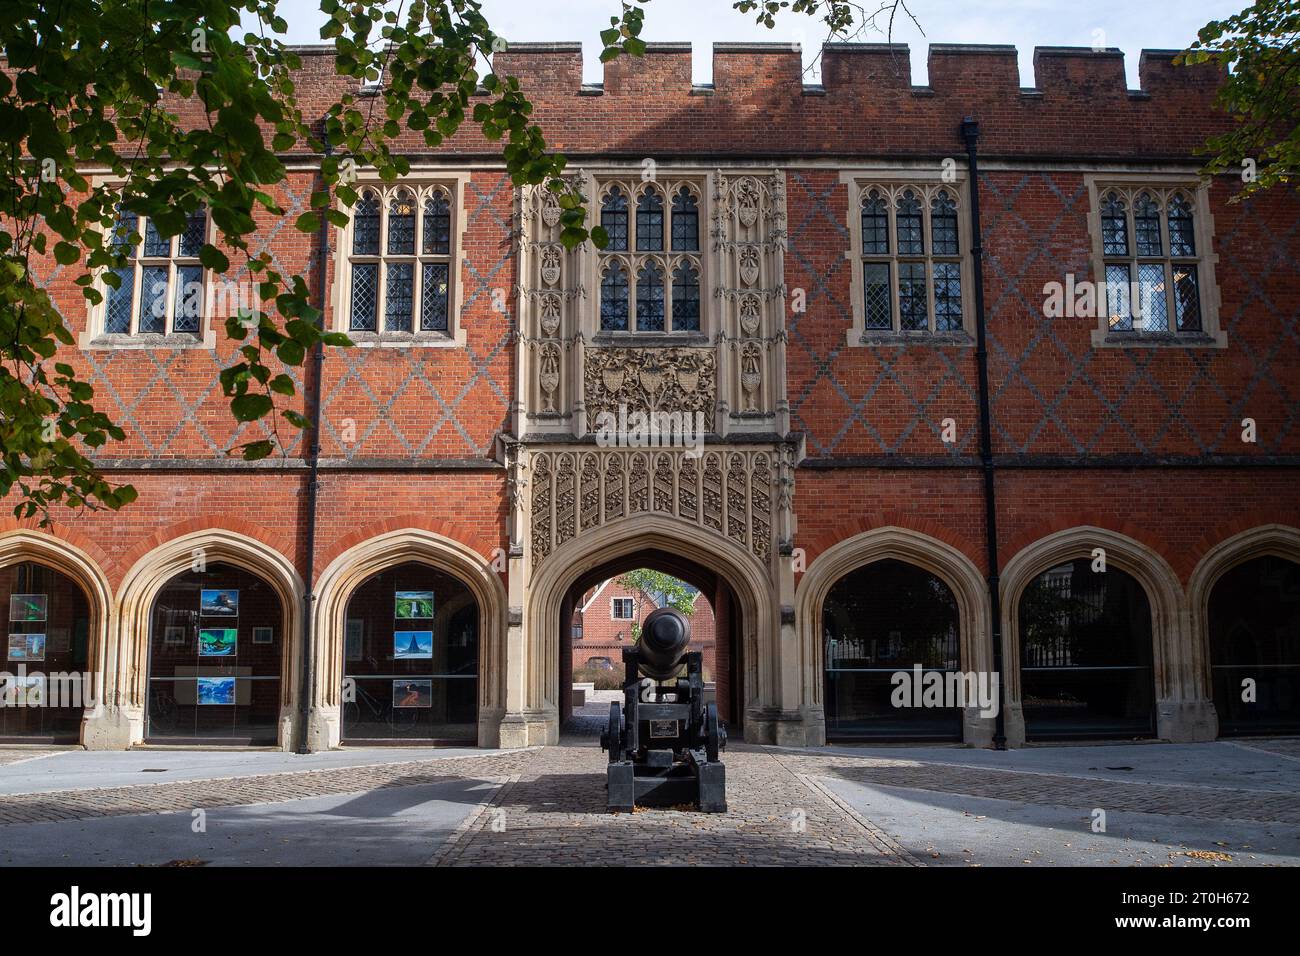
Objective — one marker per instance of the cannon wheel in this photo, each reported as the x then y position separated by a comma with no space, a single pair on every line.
615,733
712,731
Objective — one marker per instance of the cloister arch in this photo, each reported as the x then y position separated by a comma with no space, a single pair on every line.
19,545
1265,541
939,558
140,588
616,545
354,566
1182,707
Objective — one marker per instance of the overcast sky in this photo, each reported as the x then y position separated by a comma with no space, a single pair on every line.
1131,26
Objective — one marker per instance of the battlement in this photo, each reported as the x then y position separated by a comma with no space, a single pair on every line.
761,102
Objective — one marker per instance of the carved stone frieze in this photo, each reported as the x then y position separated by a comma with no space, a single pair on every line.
650,380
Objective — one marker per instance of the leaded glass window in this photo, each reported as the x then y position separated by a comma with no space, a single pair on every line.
651,271
686,298
686,222
613,217
650,222
1153,286
160,290
613,297
649,299
408,288
1146,226
910,245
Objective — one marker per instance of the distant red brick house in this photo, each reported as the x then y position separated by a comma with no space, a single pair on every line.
602,624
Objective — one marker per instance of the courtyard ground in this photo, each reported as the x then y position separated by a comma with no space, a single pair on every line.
1214,804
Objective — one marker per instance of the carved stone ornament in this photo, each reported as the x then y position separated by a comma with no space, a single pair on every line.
749,264
550,314
748,198
751,375
550,209
751,310
551,265
550,375
651,380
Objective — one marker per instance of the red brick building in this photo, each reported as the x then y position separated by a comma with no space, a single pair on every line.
603,625
930,437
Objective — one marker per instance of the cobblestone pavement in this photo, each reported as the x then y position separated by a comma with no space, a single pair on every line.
554,814
785,805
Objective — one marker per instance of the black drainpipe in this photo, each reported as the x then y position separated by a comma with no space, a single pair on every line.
970,132
313,475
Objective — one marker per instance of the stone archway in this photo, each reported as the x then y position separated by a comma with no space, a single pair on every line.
22,544
533,717
1183,711
123,726
350,569
902,544
1264,541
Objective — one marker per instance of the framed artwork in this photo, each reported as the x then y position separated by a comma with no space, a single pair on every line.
219,602
216,690
412,693
174,634
26,647
412,645
413,605
218,641
263,635
26,691
28,608
352,639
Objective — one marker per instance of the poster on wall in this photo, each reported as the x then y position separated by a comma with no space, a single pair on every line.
263,635
174,634
412,693
412,645
353,639
28,608
26,647
219,602
26,691
218,641
414,605
216,690
58,640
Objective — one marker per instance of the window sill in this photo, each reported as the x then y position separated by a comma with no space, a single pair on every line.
148,340
1157,340
650,339
403,340
880,338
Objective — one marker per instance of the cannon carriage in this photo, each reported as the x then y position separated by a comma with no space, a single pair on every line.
664,740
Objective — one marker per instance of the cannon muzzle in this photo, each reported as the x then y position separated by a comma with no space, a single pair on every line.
664,637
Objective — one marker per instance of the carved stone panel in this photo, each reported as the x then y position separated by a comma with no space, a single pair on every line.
729,492
650,380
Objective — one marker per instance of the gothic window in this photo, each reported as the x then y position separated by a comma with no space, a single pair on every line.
613,298
403,284
1153,285
160,289
651,268
909,243
686,222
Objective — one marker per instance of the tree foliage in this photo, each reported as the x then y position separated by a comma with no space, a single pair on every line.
1261,48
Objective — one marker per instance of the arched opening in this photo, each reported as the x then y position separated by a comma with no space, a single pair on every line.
411,658
1254,631
45,684
886,626
216,646
1086,654
600,612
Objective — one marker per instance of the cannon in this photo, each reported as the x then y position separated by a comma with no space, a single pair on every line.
664,740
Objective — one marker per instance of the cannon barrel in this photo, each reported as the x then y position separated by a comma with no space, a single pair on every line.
664,637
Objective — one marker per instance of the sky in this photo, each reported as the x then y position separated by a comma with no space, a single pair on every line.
1130,26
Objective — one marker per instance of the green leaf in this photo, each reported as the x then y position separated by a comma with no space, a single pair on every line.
251,406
